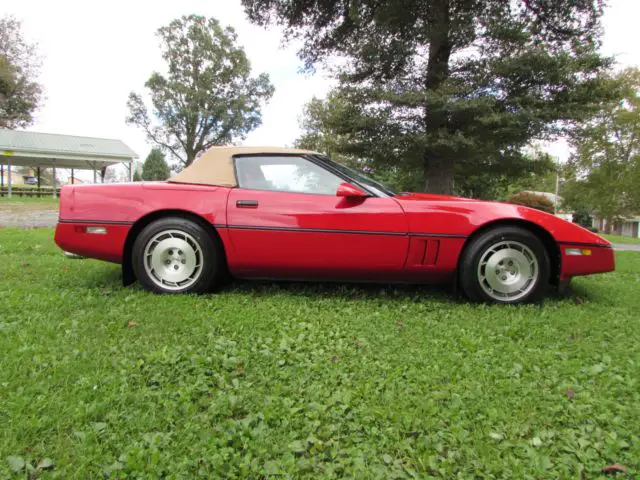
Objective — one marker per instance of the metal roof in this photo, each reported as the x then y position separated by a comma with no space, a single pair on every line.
64,151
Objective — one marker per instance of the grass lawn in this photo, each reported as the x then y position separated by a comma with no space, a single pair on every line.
16,198
298,381
621,239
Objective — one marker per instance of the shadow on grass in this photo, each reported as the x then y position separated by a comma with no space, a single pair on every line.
574,292
344,290
442,293
109,281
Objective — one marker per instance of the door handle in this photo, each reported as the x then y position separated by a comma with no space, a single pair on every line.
247,204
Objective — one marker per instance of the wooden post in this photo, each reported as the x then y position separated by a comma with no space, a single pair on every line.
9,176
54,180
73,180
1,178
38,174
94,176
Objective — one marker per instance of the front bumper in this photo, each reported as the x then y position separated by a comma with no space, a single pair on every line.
580,259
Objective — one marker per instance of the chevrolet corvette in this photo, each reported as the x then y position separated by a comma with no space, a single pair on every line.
279,213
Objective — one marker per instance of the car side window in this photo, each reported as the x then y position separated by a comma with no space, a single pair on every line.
287,173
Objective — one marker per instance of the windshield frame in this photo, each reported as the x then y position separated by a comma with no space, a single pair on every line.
371,186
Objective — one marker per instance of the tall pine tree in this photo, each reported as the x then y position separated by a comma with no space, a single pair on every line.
430,84
155,167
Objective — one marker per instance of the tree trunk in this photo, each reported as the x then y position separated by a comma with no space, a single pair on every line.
439,175
438,165
191,156
608,225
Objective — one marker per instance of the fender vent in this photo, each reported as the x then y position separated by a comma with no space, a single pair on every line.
423,252
431,253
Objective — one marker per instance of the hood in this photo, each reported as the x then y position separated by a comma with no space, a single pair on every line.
449,215
411,196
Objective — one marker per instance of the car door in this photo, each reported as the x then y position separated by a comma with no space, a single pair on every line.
285,220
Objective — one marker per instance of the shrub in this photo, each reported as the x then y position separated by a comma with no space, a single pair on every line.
532,200
581,217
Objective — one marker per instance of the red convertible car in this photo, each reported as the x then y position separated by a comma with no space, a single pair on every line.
295,214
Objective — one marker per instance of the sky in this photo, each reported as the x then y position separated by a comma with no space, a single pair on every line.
95,53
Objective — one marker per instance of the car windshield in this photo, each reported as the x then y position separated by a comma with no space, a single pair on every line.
359,178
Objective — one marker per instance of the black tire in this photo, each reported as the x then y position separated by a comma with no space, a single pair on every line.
473,280
211,258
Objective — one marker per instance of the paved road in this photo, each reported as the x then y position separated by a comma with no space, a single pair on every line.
628,247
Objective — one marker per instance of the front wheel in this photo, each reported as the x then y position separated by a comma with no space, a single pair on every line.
176,255
505,265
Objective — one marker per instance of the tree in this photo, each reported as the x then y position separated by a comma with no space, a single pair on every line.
115,174
137,171
323,129
438,83
582,217
207,96
155,167
110,175
603,174
46,174
20,94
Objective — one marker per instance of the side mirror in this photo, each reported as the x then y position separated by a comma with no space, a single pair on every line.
347,190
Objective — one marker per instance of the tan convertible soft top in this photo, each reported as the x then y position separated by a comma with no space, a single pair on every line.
215,166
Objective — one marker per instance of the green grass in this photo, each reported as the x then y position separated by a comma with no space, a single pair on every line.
298,381
621,239
17,198
48,200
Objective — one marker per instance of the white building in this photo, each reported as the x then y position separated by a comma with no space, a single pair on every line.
628,227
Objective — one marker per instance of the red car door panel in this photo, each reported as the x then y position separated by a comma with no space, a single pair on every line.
282,234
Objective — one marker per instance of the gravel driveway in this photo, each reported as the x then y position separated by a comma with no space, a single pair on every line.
626,246
28,214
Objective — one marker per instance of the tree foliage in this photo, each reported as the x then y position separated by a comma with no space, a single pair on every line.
207,96
113,175
603,175
20,93
323,129
155,167
46,174
583,217
438,83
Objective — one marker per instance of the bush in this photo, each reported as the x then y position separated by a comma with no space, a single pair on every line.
28,191
581,217
532,200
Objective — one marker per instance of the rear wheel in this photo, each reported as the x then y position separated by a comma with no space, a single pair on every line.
505,265
176,255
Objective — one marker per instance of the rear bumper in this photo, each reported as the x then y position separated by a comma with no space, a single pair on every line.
73,237
593,259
